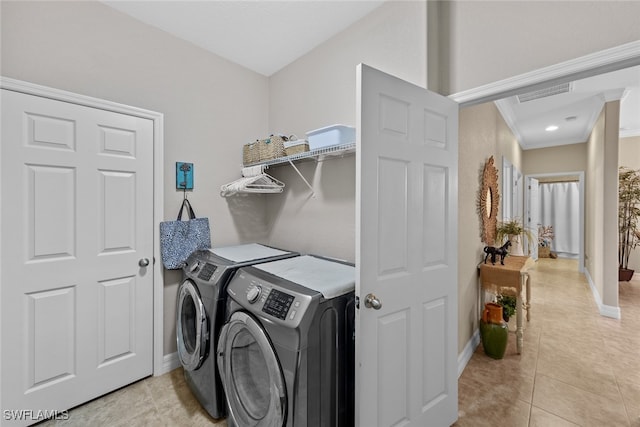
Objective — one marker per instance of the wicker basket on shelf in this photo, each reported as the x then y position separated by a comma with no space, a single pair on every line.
272,147
250,153
296,147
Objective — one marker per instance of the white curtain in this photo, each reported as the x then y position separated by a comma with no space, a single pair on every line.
559,208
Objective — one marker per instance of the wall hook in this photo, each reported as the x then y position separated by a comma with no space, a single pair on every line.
184,176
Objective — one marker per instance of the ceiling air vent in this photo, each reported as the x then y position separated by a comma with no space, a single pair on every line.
543,93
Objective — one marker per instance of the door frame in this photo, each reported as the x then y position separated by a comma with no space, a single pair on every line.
581,205
158,195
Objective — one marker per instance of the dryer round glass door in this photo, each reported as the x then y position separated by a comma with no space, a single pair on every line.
251,374
192,332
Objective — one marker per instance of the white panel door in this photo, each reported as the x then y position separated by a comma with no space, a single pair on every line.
518,195
77,228
533,215
406,254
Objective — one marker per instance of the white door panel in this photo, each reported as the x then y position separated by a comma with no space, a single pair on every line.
533,215
77,216
406,254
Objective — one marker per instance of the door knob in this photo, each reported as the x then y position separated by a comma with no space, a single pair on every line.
372,301
143,262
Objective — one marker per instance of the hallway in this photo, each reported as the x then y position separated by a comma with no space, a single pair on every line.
577,367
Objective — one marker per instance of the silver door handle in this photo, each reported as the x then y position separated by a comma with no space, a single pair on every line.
143,262
372,301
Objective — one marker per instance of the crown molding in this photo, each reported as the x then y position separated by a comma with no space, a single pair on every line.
616,58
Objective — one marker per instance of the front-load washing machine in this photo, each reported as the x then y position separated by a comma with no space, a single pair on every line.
286,351
200,313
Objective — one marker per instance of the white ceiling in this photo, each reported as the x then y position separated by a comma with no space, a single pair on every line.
267,35
262,35
584,101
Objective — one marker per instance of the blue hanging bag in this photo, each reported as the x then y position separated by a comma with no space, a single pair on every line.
179,239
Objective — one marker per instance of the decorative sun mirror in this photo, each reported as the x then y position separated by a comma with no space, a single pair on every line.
489,201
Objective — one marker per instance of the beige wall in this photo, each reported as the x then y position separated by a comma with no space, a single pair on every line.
601,199
489,41
565,158
319,89
610,204
210,106
629,155
482,133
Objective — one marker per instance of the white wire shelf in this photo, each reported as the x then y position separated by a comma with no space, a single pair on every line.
318,153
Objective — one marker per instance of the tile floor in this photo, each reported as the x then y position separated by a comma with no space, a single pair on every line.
155,401
577,368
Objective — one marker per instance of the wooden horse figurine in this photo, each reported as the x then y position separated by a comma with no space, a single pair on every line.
503,251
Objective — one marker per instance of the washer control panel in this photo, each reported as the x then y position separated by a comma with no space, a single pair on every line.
202,269
207,271
265,299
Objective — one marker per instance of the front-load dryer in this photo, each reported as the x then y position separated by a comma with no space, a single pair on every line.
286,351
200,313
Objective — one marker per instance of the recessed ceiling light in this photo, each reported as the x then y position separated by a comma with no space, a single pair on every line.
551,128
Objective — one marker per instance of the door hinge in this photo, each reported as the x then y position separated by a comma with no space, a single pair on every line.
358,302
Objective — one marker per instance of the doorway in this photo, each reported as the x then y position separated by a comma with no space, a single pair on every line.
577,215
604,284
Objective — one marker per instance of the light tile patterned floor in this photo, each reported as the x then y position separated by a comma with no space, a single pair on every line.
577,368
155,401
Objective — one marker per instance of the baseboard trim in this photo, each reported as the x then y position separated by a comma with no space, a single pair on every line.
605,310
467,352
169,363
610,311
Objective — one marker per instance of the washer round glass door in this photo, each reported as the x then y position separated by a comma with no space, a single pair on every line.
251,374
192,333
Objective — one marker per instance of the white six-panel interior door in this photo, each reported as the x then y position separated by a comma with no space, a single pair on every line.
406,254
77,230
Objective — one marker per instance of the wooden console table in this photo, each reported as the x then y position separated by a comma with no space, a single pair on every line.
509,279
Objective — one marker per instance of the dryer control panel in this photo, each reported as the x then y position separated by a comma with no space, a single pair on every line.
272,301
278,304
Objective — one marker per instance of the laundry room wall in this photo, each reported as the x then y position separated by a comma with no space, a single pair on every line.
210,105
319,89
488,41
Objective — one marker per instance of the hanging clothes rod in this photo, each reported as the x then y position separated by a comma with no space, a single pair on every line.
254,180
